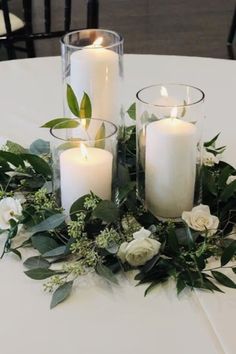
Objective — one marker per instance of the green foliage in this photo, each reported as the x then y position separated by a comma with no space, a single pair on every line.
106,273
40,147
72,101
39,273
132,111
36,262
50,223
106,211
90,240
86,108
61,123
44,242
100,137
61,294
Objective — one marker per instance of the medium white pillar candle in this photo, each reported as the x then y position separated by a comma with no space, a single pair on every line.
170,167
95,70
81,174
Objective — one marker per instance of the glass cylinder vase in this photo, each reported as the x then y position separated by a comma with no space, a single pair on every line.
169,148
93,64
84,160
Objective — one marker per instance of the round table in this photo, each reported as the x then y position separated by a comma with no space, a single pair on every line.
100,318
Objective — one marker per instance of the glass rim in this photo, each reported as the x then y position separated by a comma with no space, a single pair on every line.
119,36
171,84
115,129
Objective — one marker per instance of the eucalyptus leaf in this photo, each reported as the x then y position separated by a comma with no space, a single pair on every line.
106,211
50,223
223,279
36,262
58,251
72,101
132,111
44,243
100,137
106,273
40,273
78,206
39,147
61,294
228,253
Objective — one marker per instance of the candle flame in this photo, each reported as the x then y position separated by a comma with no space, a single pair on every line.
84,151
174,112
164,92
83,122
98,42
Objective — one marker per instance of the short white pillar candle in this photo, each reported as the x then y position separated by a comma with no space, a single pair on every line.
82,173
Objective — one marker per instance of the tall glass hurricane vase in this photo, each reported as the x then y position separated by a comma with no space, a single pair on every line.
84,160
169,148
93,63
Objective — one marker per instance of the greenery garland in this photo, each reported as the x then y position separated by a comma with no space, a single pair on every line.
107,239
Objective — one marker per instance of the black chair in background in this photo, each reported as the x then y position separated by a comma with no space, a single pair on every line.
232,29
12,37
231,36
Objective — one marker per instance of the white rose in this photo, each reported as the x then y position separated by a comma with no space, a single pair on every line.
230,179
10,208
200,219
210,159
140,250
122,251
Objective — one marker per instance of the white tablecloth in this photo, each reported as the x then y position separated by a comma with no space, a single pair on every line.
99,318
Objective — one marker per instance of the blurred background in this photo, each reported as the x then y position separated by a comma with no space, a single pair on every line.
178,27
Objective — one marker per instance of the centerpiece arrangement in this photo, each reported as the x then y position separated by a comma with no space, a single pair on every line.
76,203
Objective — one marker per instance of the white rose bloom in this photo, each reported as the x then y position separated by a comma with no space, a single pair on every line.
141,234
140,250
122,251
230,179
210,159
200,219
10,208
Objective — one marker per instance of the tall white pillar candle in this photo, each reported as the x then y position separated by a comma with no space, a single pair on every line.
95,70
170,167
81,174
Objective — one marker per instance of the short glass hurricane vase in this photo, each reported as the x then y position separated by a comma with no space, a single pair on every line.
169,129
84,160
92,61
